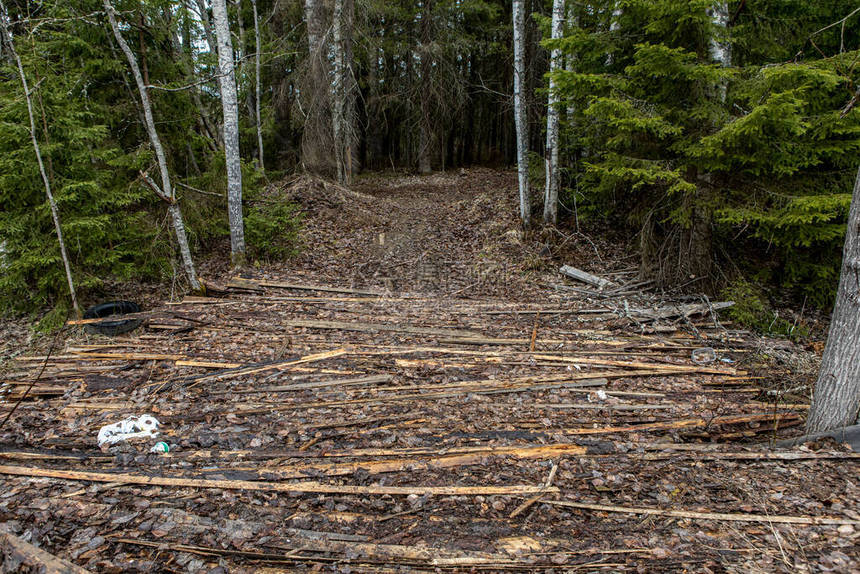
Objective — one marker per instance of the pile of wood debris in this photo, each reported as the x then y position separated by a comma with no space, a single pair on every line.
458,411
329,427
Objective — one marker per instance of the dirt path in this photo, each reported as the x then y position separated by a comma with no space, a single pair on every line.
390,421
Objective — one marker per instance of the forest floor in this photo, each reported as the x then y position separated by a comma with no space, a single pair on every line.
420,391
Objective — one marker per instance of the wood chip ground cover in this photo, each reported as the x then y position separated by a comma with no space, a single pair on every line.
453,421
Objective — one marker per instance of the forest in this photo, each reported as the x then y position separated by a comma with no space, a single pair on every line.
444,285
721,137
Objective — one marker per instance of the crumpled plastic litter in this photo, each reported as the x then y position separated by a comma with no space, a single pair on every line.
704,356
143,426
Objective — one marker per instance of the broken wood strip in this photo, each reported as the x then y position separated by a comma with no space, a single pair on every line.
208,364
36,558
358,381
376,327
372,552
417,464
550,311
638,365
585,277
501,341
322,288
733,517
96,356
280,365
608,406
301,487
116,317
685,423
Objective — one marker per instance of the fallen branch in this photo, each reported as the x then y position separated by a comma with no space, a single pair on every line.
36,558
776,518
300,487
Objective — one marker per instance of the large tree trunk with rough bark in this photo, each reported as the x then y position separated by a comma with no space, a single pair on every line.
550,203
317,139
343,87
836,401
165,192
520,116
230,105
426,135
55,213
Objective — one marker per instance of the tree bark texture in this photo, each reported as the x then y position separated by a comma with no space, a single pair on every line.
343,87
257,89
317,140
166,188
425,143
836,401
230,105
55,213
550,204
520,116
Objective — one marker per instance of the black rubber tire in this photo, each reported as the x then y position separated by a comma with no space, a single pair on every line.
113,327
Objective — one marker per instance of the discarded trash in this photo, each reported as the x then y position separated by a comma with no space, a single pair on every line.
132,427
704,355
160,447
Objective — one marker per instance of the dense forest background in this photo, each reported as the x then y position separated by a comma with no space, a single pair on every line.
723,138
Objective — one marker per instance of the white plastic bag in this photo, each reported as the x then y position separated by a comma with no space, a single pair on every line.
143,426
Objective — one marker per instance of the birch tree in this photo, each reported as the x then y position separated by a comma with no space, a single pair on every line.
343,88
521,120
836,402
230,105
550,204
165,191
55,213
257,90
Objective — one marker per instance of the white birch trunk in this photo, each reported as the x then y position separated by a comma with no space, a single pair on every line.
166,191
257,89
836,402
55,213
230,105
550,205
520,117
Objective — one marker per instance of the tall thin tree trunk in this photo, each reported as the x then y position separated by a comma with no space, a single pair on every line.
343,89
425,137
316,90
836,401
166,192
230,105
55,213
550,204
207,26
520,116
257,87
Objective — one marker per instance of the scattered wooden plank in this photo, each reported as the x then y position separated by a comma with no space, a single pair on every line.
687,423
298,487
255,285
377,327
732,517
585,277
36,558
